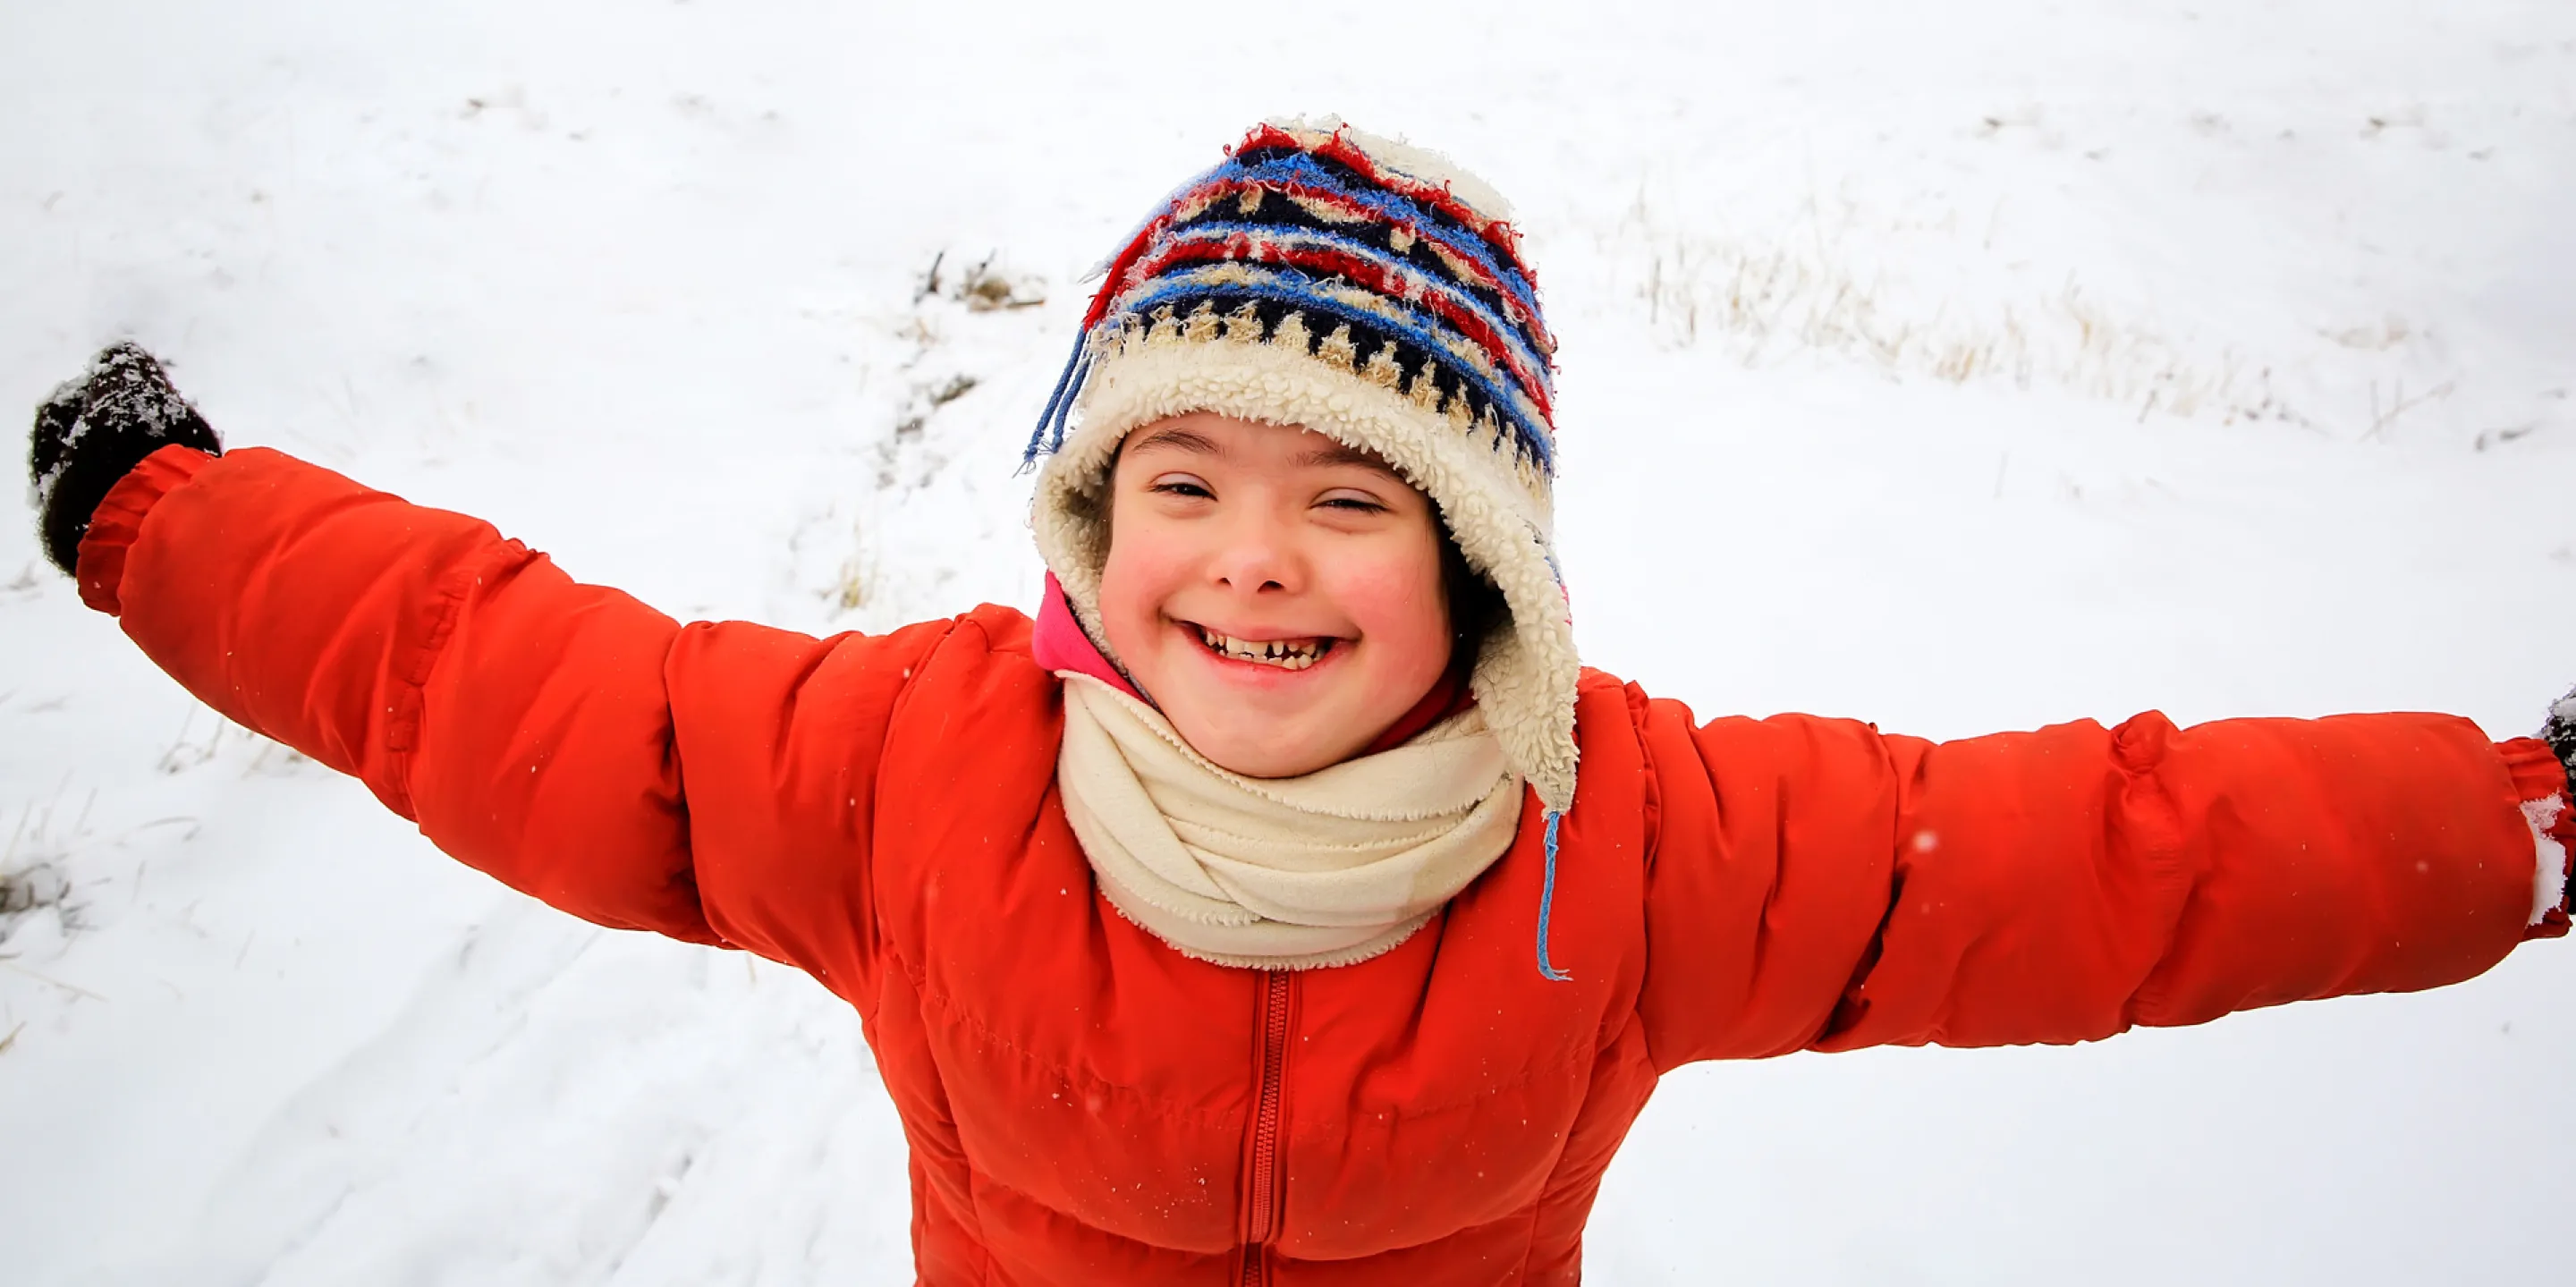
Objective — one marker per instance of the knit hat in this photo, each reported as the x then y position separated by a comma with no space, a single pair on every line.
1374,293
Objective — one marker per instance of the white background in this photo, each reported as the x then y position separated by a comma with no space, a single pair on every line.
1959,367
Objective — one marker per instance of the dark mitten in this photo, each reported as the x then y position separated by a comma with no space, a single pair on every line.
2560,733
95,430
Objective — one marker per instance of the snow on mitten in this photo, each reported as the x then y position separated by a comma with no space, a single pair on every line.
94,430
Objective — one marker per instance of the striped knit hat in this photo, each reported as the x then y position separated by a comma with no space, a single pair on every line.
1371,292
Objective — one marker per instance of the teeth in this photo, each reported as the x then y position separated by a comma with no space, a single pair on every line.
1283,653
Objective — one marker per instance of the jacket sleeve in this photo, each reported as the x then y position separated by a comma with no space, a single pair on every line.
523,720
1816,884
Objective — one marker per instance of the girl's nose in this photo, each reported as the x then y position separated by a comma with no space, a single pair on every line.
1257,556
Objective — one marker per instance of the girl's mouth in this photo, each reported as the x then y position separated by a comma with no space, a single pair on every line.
1287,654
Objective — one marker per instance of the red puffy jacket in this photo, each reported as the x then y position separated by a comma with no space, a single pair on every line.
1085,1105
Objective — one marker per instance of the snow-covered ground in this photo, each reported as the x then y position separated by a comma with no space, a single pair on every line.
1961,367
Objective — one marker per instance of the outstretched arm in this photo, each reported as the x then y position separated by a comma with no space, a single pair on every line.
1816,884
517,716
534,727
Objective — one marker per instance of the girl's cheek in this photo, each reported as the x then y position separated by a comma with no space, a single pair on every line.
1143,570
1396,602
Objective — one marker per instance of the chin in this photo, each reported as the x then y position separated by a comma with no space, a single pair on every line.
1264,752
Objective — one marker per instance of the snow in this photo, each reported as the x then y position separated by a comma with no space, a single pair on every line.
1960,367
2549,874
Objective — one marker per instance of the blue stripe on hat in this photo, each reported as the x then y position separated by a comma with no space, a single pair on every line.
1215,230
1509,404
1302,170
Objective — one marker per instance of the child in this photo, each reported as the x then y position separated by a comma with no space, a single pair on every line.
1285,904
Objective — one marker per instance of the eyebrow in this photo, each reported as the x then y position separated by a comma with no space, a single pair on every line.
1332,452
1336,452
1183,439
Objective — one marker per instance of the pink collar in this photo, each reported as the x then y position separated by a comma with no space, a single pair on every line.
1060,643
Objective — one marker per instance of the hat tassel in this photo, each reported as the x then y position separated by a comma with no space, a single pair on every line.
1547,902
1059,406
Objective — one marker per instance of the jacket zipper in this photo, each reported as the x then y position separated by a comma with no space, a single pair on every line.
1262,1187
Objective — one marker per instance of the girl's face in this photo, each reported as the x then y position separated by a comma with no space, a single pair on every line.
1277,593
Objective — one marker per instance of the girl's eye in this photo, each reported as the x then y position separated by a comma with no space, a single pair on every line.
1352,502
1180,485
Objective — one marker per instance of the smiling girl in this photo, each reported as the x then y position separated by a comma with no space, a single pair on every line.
1286,903
1280,591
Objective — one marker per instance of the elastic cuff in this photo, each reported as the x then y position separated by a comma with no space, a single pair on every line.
2540,784
118,520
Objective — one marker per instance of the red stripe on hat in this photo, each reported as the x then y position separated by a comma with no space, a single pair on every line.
1369,274
1113,283
1219,189
1499,235
1496,232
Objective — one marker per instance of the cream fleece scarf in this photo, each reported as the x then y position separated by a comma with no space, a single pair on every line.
1279,873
